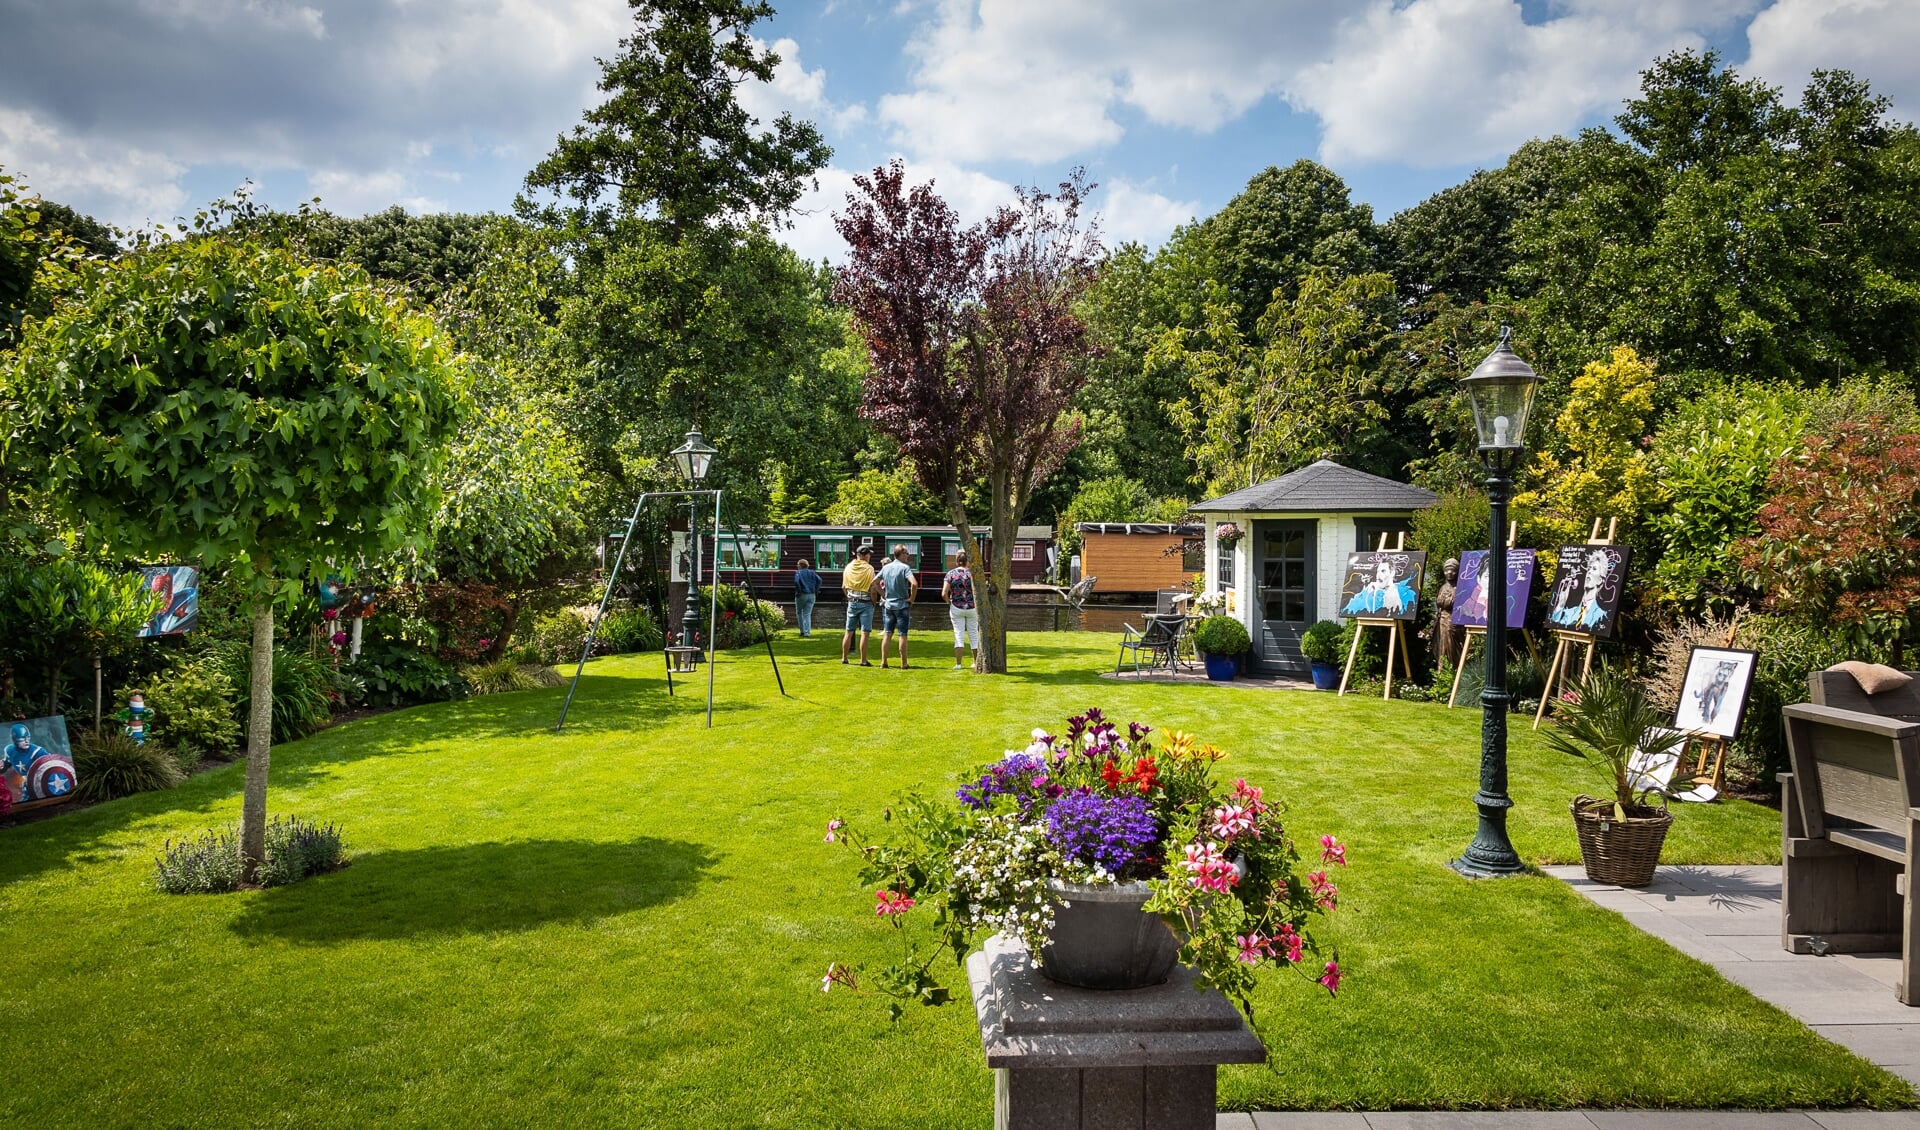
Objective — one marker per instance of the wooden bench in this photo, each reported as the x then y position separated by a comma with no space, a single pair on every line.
1850,820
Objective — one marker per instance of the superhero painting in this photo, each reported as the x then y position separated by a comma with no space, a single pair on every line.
179,589
36,767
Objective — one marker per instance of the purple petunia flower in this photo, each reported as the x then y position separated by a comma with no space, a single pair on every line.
1005,778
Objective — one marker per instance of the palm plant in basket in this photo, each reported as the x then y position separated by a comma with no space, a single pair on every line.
1607,722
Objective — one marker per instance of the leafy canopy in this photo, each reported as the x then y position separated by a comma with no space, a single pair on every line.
216,398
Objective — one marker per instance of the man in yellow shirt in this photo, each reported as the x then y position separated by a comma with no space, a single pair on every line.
858,582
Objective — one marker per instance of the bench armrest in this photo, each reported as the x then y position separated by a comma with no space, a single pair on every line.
1852,720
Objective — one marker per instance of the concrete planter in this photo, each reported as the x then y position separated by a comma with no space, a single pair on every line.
1103,940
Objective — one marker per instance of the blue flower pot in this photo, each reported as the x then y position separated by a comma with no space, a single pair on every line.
1326,676
1222,668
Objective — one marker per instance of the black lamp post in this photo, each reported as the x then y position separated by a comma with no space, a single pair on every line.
1501,389
693,458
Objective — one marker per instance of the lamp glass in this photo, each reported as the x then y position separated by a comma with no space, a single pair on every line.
694,457
1501,388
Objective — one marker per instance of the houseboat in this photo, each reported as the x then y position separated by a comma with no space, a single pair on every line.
767,558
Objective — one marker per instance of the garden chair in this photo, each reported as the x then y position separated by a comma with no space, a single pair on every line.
1159,642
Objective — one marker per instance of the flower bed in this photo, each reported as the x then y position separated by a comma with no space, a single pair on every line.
1099,805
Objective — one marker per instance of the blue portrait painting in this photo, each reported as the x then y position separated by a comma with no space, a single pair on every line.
1383,585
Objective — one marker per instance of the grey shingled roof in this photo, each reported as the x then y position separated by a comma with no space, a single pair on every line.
1324,486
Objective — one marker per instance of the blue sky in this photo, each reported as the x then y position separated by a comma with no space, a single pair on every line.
140,109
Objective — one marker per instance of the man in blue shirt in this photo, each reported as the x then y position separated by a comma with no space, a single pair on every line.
899,586
806,589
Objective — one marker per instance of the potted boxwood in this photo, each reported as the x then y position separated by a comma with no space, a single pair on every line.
1606,721
1221,639
1321,646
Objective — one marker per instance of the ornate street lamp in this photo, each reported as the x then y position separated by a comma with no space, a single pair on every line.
1501,389
693,458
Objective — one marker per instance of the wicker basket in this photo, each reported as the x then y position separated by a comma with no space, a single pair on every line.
1621,852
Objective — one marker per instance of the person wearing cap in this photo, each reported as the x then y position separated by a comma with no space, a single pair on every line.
858,583
900,585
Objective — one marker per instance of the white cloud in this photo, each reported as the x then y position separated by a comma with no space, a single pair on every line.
1875,39
1000,79
1135,212
798,91
350,194
1443,82
385,93
135,184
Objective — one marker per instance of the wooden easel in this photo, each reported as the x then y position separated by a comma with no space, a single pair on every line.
1557,671
1713,746
1475,631
1393,636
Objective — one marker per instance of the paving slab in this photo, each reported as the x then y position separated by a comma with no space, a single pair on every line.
1877,1043
1866,1119
1310,1120
1480,1120
1701,1120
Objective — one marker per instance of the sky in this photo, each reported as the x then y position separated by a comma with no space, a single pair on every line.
141,110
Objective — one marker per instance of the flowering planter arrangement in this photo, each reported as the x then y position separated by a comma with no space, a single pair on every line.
1109,857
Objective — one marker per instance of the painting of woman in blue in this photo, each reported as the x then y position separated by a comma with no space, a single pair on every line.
1385,595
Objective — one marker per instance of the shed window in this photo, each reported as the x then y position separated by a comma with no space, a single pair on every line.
1223,569
1193,555
1023,551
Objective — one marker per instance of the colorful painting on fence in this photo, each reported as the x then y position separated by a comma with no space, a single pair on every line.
179,590
1470,603
1383,584
36,767
1587,588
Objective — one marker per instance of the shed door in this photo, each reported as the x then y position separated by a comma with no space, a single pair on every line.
1283,564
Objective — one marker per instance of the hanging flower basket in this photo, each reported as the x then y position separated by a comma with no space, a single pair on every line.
1226,533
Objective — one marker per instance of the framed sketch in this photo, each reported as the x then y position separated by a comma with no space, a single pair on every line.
36,767
1588,586
1713,700
1470,600
1383,584
179,589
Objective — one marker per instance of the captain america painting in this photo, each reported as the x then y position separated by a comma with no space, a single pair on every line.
36,766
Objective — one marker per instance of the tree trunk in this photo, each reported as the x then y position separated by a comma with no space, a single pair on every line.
253,804
507,627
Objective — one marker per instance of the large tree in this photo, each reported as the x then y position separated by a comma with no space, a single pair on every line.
215,398
672,141
1297,389
976,347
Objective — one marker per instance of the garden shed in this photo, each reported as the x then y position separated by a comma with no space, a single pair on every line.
1282,571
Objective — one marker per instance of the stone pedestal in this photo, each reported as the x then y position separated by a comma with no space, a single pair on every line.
1101,1059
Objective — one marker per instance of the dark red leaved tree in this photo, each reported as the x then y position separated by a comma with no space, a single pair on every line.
976,349
1840,537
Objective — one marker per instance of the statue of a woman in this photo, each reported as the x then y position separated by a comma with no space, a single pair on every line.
1444,637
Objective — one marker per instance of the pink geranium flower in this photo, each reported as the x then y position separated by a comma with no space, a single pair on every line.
1331,978
834,826
1253,947
1332,851
1324,892
1209,870
891,903
1290,938
1230,821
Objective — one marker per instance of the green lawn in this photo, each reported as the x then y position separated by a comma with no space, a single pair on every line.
627,924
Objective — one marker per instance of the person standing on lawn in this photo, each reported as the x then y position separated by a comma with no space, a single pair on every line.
858,582
956,588
898,582
806,589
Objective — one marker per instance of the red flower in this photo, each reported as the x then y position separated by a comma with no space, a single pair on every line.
1112,776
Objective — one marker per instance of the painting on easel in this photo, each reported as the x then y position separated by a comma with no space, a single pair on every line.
1713,700
1587,589
1470,606
1383,584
